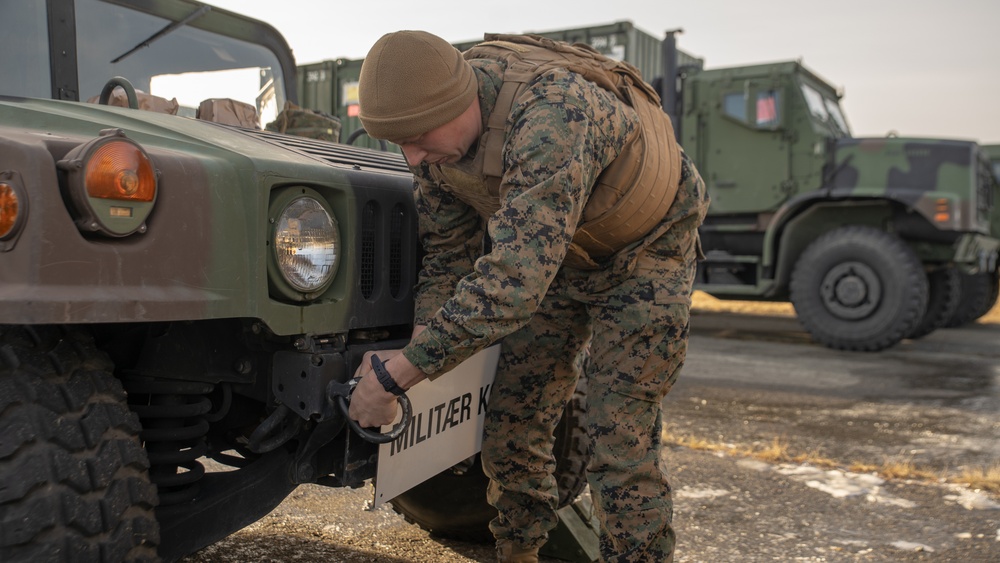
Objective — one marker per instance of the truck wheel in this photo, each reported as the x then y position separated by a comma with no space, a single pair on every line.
453,503
978,296
74,482
859,288
942,300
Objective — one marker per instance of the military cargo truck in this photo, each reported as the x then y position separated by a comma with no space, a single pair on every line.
180,288
872,239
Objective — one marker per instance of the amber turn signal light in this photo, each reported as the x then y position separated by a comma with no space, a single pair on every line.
942,210
112,184
120,170
8,209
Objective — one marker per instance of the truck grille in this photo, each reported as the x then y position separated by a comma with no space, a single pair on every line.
387,251
367,272
396,219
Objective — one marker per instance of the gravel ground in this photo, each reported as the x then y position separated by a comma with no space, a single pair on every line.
726,509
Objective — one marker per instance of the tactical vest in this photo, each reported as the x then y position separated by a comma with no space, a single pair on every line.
630,196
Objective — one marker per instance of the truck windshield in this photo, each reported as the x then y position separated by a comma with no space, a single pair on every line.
25,61
825,110
187,63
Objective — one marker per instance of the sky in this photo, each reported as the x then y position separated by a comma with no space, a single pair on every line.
916,68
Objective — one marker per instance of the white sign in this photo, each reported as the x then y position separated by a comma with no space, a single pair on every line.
446,426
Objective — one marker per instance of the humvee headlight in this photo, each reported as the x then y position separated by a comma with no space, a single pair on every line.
112,184
306,244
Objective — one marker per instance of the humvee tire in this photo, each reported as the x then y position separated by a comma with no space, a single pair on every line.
453,505
74,481
944,294
859,288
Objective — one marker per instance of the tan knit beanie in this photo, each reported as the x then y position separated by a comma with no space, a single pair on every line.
412,82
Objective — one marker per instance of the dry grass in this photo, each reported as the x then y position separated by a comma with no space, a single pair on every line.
705,302
987,479
778,451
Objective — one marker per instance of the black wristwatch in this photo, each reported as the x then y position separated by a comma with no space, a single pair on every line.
384,378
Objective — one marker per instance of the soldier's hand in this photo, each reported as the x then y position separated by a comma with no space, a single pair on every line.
371,405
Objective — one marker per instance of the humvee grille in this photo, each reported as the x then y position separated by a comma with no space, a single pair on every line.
395,266
368,230
396,249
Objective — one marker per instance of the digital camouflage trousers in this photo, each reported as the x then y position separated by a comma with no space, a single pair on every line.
633,337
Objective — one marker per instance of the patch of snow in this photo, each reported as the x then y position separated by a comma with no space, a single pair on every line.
754,464
912,546
843,484
972,500
691,492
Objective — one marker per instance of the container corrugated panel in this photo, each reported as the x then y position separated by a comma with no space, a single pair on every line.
348,74
317,86
619,40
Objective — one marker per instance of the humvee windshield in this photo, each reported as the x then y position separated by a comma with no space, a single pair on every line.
187,63
826,111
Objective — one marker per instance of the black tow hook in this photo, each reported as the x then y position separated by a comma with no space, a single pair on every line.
340,395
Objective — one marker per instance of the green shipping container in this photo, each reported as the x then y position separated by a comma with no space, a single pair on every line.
332,87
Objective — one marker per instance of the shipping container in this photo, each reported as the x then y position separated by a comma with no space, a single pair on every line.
331,86
622,41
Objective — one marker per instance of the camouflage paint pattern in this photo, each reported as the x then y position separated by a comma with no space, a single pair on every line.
918,173
632,314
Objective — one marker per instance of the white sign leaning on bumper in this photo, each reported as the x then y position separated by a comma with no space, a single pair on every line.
446,426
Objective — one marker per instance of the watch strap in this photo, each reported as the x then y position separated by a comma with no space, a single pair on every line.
384,378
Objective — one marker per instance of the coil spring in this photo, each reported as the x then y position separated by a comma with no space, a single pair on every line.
174,427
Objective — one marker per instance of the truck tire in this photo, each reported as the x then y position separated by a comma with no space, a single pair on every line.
859,288
452,504
994,295
74,482
944,293
978,296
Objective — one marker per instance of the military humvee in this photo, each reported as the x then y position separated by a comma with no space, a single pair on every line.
178,284
182,287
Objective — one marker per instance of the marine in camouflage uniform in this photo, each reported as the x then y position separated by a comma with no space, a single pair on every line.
631,313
